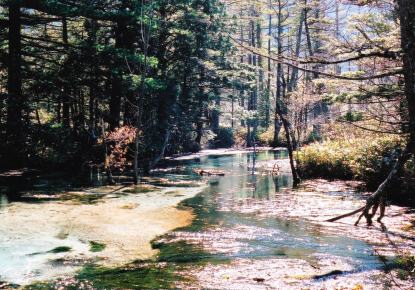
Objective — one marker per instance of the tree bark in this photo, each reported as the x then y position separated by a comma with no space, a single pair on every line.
16,100
294,74
66,104
279,76
215,113
286,125
407,20
116,82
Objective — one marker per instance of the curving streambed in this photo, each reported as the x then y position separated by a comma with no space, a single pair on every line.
245,230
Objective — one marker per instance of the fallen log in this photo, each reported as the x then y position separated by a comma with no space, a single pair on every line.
377,199
346,215
204,172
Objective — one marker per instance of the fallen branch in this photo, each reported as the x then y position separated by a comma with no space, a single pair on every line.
209,172
346,215
377,199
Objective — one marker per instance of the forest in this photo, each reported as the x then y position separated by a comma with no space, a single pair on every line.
196,119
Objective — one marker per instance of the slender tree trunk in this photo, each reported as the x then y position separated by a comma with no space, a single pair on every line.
116,82
93,79
268,95
66,103
16,100
407,17
294,74
232,111
280,108
241,91
407,20
107,165
286,125
215,114
279,76
252,60
201,101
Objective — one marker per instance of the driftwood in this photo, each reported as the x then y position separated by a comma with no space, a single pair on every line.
329,274
346,215
209,172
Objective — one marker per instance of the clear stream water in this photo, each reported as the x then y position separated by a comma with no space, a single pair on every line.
224,235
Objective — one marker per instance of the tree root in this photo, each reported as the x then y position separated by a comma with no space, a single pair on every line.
377,199
346,215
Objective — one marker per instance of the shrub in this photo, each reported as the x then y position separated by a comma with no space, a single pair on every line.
266,137
367,159
240,136
224,138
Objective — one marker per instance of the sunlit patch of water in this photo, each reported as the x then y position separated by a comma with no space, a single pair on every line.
250,231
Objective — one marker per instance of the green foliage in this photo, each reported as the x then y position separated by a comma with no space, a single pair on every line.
224,138
62,249
352,117
406,266
96,246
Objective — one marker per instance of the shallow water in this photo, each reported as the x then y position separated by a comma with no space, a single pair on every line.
226,247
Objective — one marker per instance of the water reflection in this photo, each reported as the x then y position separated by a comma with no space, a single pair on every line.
225,229
230,226
3,201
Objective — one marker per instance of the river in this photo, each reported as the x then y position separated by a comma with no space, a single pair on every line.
228,232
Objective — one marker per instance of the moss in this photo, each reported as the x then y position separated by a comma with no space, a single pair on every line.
96,246
406,266
62,249
57,250
147,277
83,198
141,189
172,183
62,235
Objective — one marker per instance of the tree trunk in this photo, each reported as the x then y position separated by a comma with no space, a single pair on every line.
407,20
215,114
294,74
16,100
66,104
286,125
279,76
268,95
252,60
116,82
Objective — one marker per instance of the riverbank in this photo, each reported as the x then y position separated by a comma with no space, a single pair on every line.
221,152
246,230
314,202
54,235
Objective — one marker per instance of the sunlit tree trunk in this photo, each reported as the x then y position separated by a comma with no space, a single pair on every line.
294,74
407,20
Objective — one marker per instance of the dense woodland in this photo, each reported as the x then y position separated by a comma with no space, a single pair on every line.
121,84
